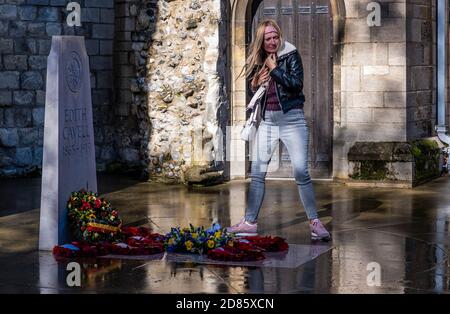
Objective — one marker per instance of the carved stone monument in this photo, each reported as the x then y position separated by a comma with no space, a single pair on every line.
69,152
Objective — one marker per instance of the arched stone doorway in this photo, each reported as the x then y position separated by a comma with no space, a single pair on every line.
242,15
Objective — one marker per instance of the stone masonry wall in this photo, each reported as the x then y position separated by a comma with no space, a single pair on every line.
421,68
373,80
186,98
159,73
158,69
135,26
388,77
26,27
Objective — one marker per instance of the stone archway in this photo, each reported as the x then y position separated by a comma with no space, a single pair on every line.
240,14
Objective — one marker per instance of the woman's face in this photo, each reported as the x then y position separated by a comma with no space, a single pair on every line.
271,39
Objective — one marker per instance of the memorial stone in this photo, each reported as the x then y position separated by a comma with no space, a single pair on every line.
69,152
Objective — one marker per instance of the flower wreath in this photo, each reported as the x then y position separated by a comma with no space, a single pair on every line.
248,248
196,239
268,244
98,230
238,250
92,219
139,241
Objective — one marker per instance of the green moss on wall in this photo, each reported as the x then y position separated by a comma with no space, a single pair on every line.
371,170
426,159
378,161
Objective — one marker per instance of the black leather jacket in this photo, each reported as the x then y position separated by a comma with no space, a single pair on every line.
288,76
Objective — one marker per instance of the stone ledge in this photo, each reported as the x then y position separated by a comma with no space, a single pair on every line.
376,184
410,163
385,151
202,175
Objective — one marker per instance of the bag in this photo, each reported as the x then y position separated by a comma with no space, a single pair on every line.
252,123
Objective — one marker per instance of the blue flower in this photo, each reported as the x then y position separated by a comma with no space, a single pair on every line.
215,227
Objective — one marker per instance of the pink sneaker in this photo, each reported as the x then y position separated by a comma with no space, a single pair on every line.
318,231
244,228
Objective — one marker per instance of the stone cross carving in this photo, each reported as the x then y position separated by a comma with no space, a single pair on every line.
69,152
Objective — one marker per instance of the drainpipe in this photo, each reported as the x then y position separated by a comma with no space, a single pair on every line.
442,42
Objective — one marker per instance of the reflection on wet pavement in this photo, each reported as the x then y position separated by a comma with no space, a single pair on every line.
405,231
292,258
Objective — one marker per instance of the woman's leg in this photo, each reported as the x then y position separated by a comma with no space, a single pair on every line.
294,133
265,142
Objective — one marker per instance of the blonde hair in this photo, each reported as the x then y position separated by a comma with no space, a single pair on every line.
256,52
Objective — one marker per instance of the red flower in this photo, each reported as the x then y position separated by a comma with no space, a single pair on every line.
269,244
239,253
85,206
98,203
61,252
137,231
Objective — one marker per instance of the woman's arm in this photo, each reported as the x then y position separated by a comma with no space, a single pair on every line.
292,79
252,85
249,81
258,76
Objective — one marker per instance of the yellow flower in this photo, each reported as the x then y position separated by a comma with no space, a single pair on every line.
171,241
211,244
194,235
189,245
218,234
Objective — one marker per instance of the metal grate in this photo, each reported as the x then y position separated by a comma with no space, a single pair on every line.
270,11
322,9
304,10
287,11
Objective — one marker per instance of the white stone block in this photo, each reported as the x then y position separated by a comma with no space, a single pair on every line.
351,79
357,30
357,115
397,54
375,70
368,100
394,80
369,54
389,115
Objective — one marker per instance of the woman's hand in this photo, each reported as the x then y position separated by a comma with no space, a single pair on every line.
260,78
271,62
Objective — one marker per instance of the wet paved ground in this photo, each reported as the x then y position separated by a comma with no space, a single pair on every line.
405,231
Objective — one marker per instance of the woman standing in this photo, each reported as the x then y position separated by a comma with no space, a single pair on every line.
277,61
